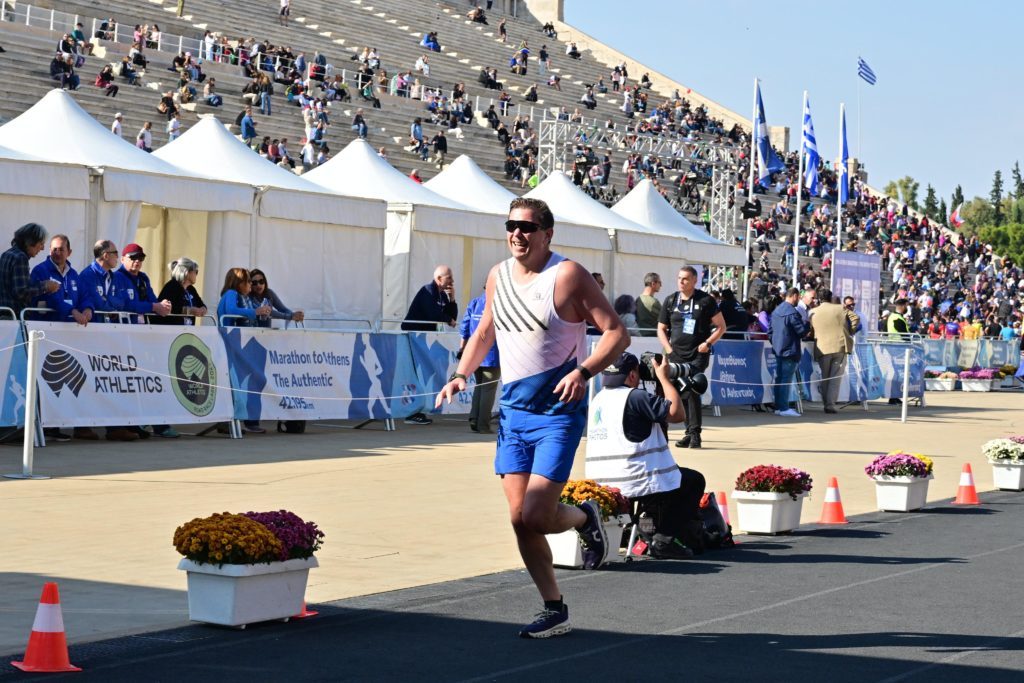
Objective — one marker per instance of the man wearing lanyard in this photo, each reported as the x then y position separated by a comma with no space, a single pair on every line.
68,303
689,325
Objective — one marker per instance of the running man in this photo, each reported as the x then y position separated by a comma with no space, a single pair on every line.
538,307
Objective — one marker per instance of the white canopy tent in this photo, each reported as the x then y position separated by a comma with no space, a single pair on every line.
53,195
638,248
123,176
645,205
465,182
424,229
334,240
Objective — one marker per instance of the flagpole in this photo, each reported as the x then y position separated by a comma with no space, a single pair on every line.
839,191
859,151
799,194
750,191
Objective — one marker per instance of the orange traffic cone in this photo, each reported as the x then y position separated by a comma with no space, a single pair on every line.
833,513
47,650
723,506
967,494
305,612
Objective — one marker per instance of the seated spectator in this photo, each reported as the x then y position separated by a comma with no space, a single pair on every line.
645,81
105,79
359,124
282,152
235,301
531,93
549,30
431,42
18,290
82,46
261,294
492,117
129,73
167,105
589,100
477,15
423,65
555,81
106,30
210,95
572,51
136,57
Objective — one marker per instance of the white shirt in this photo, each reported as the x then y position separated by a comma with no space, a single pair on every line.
115,128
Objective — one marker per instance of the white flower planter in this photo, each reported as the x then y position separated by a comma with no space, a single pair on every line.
936,384
1007,476
901,494
240,594
566,550
767,513
976,385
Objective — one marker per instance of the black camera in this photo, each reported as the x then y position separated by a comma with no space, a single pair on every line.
684,375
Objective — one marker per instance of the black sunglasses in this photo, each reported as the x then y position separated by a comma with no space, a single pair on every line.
258,282
137,257
522,226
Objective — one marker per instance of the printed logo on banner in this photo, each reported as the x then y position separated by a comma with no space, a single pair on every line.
60,370
195,375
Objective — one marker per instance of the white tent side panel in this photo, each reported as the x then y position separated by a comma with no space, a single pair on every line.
42,179
178,192
641,244
117,221
58,216
228,245
631,268
395,296
323,208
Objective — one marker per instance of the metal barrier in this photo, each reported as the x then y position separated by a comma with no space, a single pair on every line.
208,316
4,310
369,324
381,322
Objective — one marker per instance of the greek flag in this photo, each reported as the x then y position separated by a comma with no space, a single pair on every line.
844,161
767,161
810,149
865,72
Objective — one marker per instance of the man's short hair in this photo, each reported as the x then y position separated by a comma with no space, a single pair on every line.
64,239
540,209
100,247
792,291
651,279
825,295
689,269
901,302
27,235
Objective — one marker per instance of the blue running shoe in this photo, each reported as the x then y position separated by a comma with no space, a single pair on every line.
548,623
592,536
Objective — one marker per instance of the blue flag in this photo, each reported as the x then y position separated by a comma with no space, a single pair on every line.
865,72
844,162
767,161
810,149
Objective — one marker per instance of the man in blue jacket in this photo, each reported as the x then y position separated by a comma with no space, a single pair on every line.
487,375
104,293
69,302
435,301
139,296
786,329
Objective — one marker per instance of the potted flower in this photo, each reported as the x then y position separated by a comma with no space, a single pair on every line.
247,568
977,379
901,480
565,547
769,498
1007,459
935,380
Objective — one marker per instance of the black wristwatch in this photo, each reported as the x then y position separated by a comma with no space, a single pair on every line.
587,374
457,375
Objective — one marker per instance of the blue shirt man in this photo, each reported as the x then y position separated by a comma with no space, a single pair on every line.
487,374
69,303
786,329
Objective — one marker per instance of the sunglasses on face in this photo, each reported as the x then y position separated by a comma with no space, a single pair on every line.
137,257
522,226
110,253
258,282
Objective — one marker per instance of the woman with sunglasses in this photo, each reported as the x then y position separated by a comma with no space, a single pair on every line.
235,308
262,294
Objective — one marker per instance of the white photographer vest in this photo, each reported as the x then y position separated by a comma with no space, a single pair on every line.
637,469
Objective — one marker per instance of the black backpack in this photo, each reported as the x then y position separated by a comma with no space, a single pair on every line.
291,426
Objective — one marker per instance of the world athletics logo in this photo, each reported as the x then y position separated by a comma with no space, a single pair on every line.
193,374
60,370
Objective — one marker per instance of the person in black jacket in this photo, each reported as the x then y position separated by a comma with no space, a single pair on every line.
181,292
434,303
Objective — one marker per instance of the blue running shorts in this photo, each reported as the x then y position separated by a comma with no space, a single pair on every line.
539,444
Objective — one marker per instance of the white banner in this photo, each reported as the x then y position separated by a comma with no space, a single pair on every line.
103,375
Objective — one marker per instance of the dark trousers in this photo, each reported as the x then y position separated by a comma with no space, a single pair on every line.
483,397
673,510
700,362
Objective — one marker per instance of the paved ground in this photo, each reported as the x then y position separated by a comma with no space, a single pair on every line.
418,507
931,596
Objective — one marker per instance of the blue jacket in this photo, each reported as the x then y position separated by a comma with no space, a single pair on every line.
140,295
233,303
786,330
470,321
430,303
93,284
66,299
248,127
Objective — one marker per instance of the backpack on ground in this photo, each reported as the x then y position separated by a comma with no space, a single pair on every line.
291,426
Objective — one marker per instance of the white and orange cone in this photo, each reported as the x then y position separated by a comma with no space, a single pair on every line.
723,506
967,494
833,513
47,650
305,612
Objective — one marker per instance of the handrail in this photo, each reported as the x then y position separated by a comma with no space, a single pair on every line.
233,316
391,321
208,316
41,309
7,310
363,321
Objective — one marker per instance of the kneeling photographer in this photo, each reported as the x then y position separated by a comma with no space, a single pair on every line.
627,447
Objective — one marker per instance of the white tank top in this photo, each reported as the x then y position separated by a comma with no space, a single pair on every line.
537,348
637,469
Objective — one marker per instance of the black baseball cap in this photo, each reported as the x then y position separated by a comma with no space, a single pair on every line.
615,374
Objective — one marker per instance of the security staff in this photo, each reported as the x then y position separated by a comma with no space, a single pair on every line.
627,448
896,323
689,325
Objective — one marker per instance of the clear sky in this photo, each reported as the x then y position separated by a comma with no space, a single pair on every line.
948,106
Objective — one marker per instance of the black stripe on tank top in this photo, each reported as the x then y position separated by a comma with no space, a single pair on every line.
506,295
515,294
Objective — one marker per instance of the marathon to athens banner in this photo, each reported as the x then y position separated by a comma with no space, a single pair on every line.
104,375
736,373
969,353
434,356
13,362
858,275
890,362
311,375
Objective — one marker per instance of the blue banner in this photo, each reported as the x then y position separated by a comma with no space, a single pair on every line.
858,275
14,364
735,373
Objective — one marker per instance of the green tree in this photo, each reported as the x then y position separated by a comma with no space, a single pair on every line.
1018,181
996,198
958,197
908,191
943,212
892,190
931,204
976,213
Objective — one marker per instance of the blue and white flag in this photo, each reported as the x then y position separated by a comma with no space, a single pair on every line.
767,161
865,72
810,149
844,160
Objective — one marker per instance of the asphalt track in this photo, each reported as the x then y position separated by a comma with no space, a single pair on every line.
936,595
